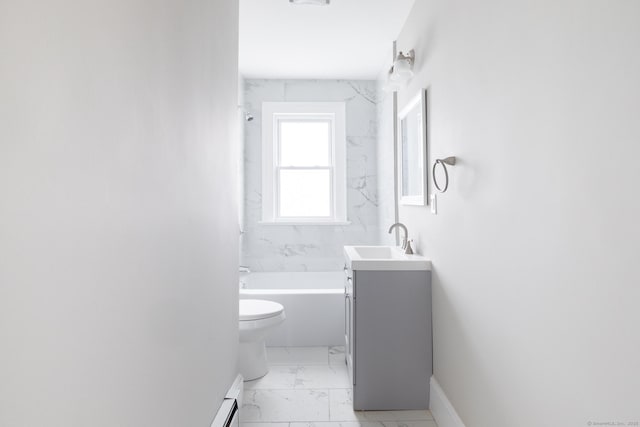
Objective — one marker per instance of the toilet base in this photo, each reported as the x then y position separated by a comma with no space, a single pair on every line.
252,360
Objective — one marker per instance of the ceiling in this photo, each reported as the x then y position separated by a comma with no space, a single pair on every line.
349,39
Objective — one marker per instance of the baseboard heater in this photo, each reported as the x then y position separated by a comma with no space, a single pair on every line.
228,415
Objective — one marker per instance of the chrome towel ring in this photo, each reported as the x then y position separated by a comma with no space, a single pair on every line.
444,162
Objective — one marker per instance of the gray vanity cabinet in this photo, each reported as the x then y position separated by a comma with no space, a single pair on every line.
388,338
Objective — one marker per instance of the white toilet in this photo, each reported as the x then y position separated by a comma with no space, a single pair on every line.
257,318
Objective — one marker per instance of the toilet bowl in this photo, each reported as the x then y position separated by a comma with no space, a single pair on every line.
257,318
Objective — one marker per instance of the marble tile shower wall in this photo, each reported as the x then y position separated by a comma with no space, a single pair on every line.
309,247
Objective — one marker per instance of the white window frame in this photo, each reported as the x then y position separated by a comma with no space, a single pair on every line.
272,114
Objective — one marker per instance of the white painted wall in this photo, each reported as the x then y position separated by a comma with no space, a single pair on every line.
536,281
118,237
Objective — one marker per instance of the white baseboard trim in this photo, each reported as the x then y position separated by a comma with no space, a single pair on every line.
442,410
236,389
228,413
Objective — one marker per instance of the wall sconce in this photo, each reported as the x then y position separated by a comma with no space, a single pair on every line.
402,69
400,72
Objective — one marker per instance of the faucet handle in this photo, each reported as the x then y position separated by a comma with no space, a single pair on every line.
408,250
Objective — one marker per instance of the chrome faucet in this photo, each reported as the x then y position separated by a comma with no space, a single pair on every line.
406,245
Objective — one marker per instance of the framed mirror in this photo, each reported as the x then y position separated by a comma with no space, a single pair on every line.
412,151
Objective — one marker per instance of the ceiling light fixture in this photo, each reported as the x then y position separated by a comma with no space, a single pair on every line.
310,2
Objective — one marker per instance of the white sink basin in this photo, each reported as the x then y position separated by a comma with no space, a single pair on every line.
383,258
377,252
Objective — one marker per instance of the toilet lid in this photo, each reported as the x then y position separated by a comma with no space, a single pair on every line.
254,309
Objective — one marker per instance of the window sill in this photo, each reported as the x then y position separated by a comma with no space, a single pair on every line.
313,223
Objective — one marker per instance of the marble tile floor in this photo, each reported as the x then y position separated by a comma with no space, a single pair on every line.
309,387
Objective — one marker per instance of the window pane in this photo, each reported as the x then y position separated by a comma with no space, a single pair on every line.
304,143
305,193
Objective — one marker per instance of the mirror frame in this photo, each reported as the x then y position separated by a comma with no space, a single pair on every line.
419,199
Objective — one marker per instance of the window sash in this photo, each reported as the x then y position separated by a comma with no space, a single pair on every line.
288,118
332,211
323,118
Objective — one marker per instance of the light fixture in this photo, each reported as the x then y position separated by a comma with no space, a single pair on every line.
390,85
400,72
310,2
402,69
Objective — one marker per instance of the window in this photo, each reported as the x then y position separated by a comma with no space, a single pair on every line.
303,162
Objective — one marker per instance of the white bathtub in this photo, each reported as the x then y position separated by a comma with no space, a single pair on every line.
313,303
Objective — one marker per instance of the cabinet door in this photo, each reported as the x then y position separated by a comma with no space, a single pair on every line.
392,346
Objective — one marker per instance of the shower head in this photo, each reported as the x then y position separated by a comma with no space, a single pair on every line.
247,115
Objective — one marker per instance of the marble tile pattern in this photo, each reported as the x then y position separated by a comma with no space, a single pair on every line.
312,390
308,247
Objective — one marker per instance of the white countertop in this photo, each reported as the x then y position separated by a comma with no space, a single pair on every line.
384,258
